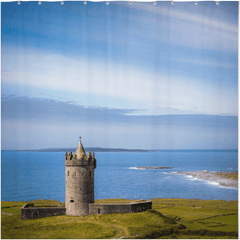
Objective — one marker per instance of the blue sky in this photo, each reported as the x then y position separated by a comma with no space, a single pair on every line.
120,75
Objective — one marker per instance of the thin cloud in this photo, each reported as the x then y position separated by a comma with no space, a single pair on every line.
204,63
186,16
119,86
30,123
191,30
40,110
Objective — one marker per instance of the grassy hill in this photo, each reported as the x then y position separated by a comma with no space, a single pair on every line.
169,218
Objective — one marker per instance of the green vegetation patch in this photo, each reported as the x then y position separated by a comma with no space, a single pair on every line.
229,175
43,203
222,223
78,229
5,204
54,227
194,209
169,218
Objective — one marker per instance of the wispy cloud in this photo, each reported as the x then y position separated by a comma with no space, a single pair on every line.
115,85
31,123
186,16
204,63
40,110
183,28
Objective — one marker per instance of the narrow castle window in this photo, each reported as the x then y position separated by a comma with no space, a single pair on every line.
90,175
71,200
68,173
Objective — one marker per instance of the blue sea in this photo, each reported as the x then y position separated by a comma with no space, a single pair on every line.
41,175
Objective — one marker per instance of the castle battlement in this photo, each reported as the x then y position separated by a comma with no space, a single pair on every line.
72,160
70,156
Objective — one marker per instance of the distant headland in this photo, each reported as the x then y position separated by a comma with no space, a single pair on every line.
88,149
160,167
99,149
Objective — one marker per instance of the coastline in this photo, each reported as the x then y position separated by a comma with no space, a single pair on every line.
213,177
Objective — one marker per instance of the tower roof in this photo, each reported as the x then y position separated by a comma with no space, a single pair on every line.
80,152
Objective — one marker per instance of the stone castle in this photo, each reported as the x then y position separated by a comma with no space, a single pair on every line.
79,192
79,175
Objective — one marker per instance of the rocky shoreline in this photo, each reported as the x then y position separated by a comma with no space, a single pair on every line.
211,176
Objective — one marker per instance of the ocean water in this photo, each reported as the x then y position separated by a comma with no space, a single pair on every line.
40,175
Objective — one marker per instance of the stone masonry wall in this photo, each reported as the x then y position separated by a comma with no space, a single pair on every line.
98,208
140,207
79,189
28,211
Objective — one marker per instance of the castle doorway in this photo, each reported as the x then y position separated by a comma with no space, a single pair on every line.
35,215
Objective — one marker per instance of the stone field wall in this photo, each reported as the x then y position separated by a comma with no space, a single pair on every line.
28,211
141,207
95,208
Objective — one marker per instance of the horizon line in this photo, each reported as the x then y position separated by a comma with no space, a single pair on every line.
122,149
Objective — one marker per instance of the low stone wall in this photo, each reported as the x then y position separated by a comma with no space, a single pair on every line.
28,211
108,208
141,207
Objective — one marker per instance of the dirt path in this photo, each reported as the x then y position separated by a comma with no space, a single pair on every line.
11,214
120,231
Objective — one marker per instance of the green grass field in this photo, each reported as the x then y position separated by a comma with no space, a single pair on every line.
229,175
169,218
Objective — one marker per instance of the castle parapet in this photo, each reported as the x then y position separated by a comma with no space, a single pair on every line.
71,160
68,156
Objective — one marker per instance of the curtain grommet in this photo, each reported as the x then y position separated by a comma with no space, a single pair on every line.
39,3
172,3
196,3
154,3
130,2
61,3
107,2
217,3
85,2
18,2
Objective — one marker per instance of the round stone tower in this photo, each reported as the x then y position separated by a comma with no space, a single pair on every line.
79,175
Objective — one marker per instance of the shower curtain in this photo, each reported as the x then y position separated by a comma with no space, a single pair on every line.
150,86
